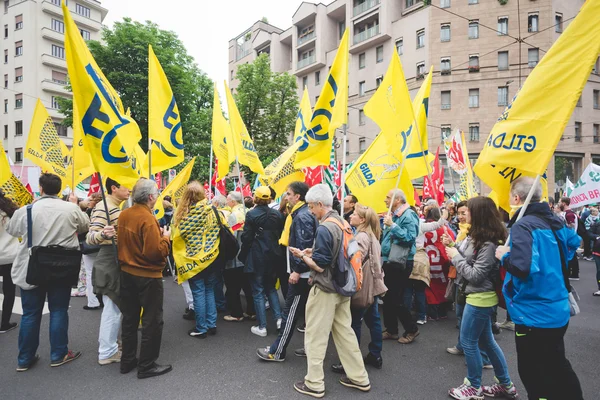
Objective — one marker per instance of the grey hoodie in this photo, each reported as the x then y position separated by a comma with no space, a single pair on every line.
479,269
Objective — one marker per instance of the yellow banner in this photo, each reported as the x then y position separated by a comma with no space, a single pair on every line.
14,190
174,189
221,138
418,155
303,117
281,172
5,171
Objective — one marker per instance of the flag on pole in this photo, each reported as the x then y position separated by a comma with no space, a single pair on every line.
303,118
569,187
313,176
331,112
330,170
434,187
94,185
418,156
457,157
174,189
80,164
281,172
219,185
221,138
5,171
10,185
524,139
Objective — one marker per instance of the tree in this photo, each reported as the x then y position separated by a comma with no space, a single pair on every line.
123,57
268,104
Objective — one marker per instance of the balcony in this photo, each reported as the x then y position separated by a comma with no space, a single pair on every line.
80,21
366,34
306,38
307,61
368,38
367,5
48,85
55,36
52,61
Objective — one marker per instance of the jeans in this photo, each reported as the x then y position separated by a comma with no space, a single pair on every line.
295,304
393,302
416,288
475,331
110,323
8,289
264,285
29,335
88,262
219,293
373,321
236,280
459,313
543,366
203,291
597,261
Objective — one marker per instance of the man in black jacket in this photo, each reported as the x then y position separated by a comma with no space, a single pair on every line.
299,232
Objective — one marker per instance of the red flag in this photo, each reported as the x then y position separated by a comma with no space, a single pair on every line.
434,188
220,185
94,185
313,176
207,191
417,199
246,190
158,180
28,187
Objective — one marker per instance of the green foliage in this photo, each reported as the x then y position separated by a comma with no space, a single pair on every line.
563,168
503,2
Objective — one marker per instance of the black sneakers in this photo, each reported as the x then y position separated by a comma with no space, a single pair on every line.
9,327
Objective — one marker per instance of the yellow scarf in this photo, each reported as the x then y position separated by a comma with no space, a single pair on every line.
463,231
285,235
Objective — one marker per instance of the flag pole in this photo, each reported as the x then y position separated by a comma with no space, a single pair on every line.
72,172
210,168
114,244
237,164
150,157
526,203
343,180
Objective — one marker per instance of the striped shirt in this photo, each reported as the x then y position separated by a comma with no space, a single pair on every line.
98,220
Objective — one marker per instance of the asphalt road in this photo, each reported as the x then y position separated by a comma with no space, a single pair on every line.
225,366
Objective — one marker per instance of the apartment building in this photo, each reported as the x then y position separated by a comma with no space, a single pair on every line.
34,64
481,52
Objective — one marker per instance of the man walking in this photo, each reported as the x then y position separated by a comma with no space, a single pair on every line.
143,251
536,261
54,222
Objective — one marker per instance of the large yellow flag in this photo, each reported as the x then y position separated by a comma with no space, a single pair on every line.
331,112
418,156
5,171
221,138
80,164
524,139
10,185
164,122
375,173
44,147
303,118
174,189
139,161
281,172
242,142
109,135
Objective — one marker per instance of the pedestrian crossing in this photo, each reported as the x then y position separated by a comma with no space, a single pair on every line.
17,308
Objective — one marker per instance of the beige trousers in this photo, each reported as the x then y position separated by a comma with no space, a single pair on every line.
330,312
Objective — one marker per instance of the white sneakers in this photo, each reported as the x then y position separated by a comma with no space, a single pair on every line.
422,321
259,331
115,358
279,321
597,293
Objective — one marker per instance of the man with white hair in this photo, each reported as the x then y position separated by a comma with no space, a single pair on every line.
143,251
536,292
326,310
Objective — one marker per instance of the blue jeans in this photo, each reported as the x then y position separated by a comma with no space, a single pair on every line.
29,335
219,293
264,285
475,331
417,288
203,291
373,321
459,313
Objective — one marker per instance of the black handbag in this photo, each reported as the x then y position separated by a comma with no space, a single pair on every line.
51,265
228,244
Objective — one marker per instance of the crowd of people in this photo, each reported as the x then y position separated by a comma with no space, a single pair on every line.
417,265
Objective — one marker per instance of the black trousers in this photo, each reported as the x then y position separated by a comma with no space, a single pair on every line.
8,288
543,367
235,281
587,245
139,293
393,301
574,267
283,276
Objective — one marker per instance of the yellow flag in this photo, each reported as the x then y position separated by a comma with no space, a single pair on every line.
503,201
174,189
418,155
139,161
242,142
281,172
331,112
44,147
375,173
303,117
527,133
164,122
109,135
5,171
80,164
499,179
221,138
14,190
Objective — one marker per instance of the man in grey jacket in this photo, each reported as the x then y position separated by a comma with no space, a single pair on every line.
55,222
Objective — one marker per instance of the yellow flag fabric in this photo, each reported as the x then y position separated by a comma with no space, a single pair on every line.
502,198
196,241
139,162
418,151
527,133
221,138
242,142
109,135
331,112
303,117
375,173
164,120
5,171
80,164
281,172
44,147
14,190
174,189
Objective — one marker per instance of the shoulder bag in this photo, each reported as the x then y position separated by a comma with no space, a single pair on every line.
228,244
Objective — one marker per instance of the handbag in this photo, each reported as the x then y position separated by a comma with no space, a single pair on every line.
398,256
461,294
450,291
51,265
364,297
228,244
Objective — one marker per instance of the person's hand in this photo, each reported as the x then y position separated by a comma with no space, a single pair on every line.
296,252
109,232
501,251
73,198
451,252
387,220
294,278
308,252
445,214
166,232
446,239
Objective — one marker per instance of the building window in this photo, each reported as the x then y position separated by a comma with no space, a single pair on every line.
446,132
61,130
19,48
5,106
361,117
55,102
446,99
473,1
596,133
19,74
361,60
378,81
59,77
474,30
578,131
444,3
445,33
347,147
81,10
420,38
84,34
5,31
5,131
379,53
18,22
474,63
56,2
421,70
502,60
503,26
342,29
410,3
5,81
18,128
532,23
18,152
316,99
579,104
473,98
5,56
232,75
19,100
58,51
474,132
400,46
5,6
305,81
596,67
58,26
503,96
597,99
361,88
533,56
445,66
317,78
362,145
558,22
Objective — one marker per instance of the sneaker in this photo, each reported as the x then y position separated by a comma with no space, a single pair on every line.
23,368
455,351
302,328
265,354
488,366
267,305
588,258
409,337
389,336
115,358
233,319
370,359
338,368
466,392
302,388
496,329
88,308
189,314
507,325
421,321
344,380
9,327
279,321
196,334
70,356
259,331
500,391
595,294
300,352
250,317
575,278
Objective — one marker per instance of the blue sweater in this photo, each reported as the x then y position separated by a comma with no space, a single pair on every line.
404,231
